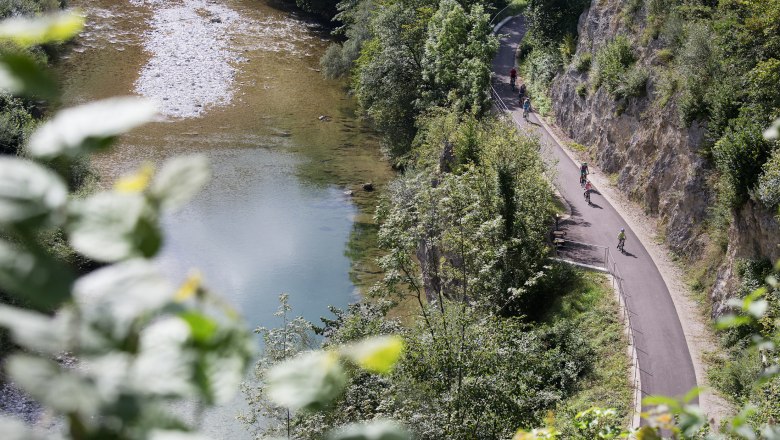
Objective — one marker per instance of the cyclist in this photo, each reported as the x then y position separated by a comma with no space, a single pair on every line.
621,239
588,189
584,173
526,108
513,77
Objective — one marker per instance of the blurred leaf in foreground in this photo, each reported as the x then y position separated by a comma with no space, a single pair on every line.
180,179
89,127
30,195
53,28
377,355
114,226
21,75
375,430
309,381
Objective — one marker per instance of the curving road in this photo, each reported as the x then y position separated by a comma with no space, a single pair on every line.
664,361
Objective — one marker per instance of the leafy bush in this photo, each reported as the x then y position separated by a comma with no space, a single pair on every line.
567,48
15,124
768,191
10,8
697,63
630,10
582,63
740,155
612,61
539,69
582,90
633,83
665,56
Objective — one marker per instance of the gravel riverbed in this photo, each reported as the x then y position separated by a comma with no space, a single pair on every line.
192,65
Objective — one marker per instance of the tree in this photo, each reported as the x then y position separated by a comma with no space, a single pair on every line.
279,344
388,74
457,61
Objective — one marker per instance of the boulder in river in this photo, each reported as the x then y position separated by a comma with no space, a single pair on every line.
368,186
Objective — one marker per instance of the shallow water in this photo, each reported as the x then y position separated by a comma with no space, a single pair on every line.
238,80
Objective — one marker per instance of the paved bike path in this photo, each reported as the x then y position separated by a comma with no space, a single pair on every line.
665,363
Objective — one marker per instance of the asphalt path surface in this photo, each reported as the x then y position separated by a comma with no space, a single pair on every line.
664,360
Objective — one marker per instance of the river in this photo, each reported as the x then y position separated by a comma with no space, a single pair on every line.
239,81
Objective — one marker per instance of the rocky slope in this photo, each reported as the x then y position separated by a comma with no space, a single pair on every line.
656,160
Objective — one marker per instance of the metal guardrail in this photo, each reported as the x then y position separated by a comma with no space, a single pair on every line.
599,257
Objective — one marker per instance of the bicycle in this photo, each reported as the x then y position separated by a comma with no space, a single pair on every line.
513,82
587,196
621,244
525,113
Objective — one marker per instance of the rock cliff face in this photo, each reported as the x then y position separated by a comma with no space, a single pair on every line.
657,160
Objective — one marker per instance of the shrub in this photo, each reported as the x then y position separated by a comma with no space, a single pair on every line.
735,379
768,190
539,69
666,86
582,64
15,122
665,56
334,63
630,11
612,61
633,83
698,67
739,156
567,47
582,90
672,32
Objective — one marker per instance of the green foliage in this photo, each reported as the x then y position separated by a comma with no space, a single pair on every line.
10,8
480,230
551,20
739,156
612,62
588,301
388,74
582,90
768,190
665,56
582,62
697,65
567,48
539,69
633,83
339,59
549,44
457,59
598,423
458,377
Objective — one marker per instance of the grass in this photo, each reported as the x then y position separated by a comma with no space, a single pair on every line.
591,304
